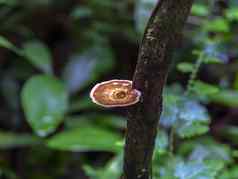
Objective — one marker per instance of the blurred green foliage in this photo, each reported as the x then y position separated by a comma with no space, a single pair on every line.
53,52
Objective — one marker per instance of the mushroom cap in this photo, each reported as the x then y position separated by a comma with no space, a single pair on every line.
115,93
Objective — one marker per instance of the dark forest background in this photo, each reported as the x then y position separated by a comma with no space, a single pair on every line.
54,51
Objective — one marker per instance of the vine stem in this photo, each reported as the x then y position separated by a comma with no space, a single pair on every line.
194,74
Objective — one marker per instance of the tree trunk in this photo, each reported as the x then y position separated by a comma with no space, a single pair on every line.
161,34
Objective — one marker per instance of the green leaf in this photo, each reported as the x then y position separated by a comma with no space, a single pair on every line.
39,55
214,54
103,120
86,138
232,13
225,97
217,25
112,170
161,142
170,110
205,148
198,169
229,173
81,12
164,166
235,84
185,67
44,101
7,44
11,140
193,119
230,133
194,129
185,115
200,10
9,2
204,89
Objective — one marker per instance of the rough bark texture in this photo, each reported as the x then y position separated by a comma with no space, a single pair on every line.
161,34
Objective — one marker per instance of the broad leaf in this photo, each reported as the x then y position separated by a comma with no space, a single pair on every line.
103,120
44,101
200,10
86,138
217,25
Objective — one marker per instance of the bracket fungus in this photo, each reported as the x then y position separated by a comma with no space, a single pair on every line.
115,93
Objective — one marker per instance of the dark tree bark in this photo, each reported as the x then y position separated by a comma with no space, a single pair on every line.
159,41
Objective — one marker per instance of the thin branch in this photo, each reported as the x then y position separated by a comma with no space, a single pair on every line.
161,34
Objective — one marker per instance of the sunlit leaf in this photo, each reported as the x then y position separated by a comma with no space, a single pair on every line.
232,13
200,10
185,67
217,25
44,101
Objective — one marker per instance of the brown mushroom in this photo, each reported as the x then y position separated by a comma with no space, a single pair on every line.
115,93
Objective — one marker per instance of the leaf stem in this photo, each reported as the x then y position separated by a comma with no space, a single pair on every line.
194,74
